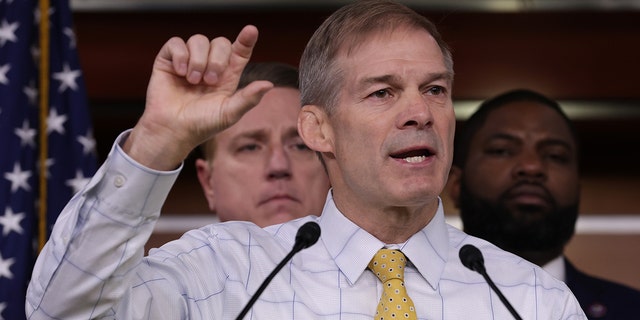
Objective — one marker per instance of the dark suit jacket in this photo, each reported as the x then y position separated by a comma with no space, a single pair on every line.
602,299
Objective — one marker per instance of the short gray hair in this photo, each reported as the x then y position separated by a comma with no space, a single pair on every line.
345,29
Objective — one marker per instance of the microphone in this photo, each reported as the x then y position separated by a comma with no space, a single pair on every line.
471,257
307,235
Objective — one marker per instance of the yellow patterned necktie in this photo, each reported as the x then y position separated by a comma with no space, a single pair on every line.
388,265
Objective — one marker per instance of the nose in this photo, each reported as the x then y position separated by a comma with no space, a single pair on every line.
278,163
417,113
529,165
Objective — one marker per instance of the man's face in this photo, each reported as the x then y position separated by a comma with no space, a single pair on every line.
392,131
520,187
261,170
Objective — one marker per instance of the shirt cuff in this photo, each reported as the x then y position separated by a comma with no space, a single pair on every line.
124,185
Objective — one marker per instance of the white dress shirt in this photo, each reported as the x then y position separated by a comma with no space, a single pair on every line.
556,268
93,265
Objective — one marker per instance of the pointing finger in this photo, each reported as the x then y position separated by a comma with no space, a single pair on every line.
241,50
245,42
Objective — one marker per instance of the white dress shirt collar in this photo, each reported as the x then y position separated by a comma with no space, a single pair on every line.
352,247
556,268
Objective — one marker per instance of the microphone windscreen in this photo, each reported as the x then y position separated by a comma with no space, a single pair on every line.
308,234
471,257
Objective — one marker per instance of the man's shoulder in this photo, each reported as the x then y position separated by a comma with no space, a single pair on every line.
583,283
503,264
490,252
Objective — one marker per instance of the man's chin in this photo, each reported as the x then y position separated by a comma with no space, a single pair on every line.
529,211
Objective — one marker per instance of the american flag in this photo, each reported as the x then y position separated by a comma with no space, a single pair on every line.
71,157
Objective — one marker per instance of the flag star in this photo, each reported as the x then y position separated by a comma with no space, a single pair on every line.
55,122
3,73
26,134
88,143
47,164
7,32
78,182
67,78
3,305
11,221
36,14
32,93
18,178
72,36
5,266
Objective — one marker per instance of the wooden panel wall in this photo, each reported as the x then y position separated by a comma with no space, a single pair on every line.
569,55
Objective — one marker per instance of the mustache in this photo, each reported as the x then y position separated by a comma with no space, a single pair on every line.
528,186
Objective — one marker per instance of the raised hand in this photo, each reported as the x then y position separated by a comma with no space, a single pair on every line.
192,96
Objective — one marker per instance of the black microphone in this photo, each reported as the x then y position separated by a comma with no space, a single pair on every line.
471,257
307,235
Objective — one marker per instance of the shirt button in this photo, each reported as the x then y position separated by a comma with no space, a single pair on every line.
119,181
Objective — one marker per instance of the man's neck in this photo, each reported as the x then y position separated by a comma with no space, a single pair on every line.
391,225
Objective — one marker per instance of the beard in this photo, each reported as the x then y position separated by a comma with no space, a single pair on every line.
520,229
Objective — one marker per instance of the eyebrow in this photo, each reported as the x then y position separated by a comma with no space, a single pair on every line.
252,134
395,80
380,79
545,142
261,134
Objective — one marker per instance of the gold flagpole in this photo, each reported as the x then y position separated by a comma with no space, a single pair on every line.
44,108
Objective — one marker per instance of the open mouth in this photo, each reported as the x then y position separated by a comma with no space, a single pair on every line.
413,156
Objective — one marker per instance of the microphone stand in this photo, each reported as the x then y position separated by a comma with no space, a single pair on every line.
264,284
504,300
307,235
471,257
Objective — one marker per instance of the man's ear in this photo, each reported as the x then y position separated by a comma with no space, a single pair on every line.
315,129
453,186
204,171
